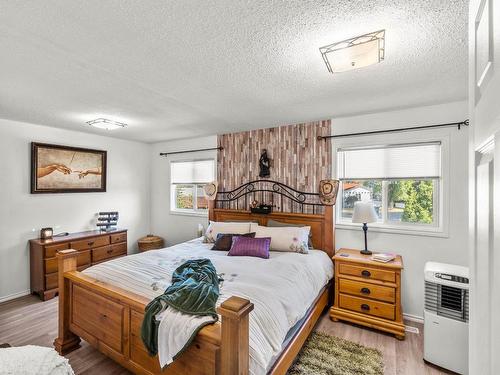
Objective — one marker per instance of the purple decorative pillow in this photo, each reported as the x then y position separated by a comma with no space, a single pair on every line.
251,247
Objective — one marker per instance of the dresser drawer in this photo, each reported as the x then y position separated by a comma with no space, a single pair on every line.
107,252
51,250
118,237
367,290
51,279
90,243
367,306
368,272
83,258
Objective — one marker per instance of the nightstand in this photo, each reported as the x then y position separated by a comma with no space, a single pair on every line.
368,292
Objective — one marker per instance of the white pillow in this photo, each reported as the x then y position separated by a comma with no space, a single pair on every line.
216,227
291,239
253,227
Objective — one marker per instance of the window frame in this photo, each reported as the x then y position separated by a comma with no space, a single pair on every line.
441,199
188,211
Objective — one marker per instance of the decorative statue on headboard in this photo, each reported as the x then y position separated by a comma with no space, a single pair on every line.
264,164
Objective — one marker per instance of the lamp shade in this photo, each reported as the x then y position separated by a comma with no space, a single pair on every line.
364,212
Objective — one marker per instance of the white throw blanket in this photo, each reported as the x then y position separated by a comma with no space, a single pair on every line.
282,288
33,360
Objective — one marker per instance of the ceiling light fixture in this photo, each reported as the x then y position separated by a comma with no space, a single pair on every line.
103,123
354,53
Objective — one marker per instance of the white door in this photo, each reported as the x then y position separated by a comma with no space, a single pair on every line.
484,186
481,266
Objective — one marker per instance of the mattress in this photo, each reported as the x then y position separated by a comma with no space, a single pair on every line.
282,288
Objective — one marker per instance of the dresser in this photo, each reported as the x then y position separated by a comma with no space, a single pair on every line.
368,292
93,247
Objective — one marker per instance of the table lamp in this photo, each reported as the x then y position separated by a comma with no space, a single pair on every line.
364,212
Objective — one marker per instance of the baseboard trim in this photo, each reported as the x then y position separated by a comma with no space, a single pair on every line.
14,295
414,318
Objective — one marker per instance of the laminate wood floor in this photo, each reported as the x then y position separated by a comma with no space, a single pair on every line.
28,320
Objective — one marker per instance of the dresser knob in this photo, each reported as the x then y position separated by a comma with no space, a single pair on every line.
90,243
365,291
366,273
365,307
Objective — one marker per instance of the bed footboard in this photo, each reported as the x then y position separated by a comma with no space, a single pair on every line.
110,318
235,330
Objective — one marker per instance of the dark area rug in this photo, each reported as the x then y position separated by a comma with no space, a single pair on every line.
328,355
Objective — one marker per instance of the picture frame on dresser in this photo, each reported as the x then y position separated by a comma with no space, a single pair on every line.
67,169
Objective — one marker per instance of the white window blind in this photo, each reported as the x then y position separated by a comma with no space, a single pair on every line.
192,172
419,160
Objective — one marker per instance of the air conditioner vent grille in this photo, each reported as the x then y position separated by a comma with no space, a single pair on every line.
447,301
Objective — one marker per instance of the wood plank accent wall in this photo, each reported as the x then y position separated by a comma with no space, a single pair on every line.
298,158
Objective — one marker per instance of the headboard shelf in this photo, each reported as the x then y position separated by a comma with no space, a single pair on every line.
282,197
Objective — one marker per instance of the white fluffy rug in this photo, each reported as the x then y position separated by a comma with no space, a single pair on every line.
33,360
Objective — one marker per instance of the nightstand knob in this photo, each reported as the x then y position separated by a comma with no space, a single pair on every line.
366,273
365,307
365,291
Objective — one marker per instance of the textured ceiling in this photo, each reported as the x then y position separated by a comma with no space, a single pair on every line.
176,69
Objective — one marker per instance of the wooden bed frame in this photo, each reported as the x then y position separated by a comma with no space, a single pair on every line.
109,318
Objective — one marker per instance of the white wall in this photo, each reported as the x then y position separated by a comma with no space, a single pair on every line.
416,250
174,227
127,192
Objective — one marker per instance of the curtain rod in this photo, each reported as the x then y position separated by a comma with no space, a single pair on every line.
183,152
457,124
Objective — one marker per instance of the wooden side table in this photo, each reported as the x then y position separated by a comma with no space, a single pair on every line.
368,292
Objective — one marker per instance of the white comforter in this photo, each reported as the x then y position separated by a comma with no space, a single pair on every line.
281,288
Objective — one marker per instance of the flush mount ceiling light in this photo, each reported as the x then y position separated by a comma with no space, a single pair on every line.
354,53
103,123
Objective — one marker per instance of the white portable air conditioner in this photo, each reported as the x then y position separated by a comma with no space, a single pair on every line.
446,316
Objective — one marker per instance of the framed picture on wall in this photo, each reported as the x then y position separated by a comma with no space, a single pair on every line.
65,169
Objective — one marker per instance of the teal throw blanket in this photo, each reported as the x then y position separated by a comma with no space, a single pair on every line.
194,290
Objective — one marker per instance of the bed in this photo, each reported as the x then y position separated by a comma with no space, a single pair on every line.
105,304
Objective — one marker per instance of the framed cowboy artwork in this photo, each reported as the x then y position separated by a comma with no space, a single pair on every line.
64,169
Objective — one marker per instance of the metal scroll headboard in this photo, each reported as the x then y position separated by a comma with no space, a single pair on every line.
282,197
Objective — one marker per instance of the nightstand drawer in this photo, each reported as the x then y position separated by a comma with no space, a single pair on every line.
366,306
367,290
368,272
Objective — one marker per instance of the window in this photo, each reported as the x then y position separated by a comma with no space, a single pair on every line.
403,181
187,180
